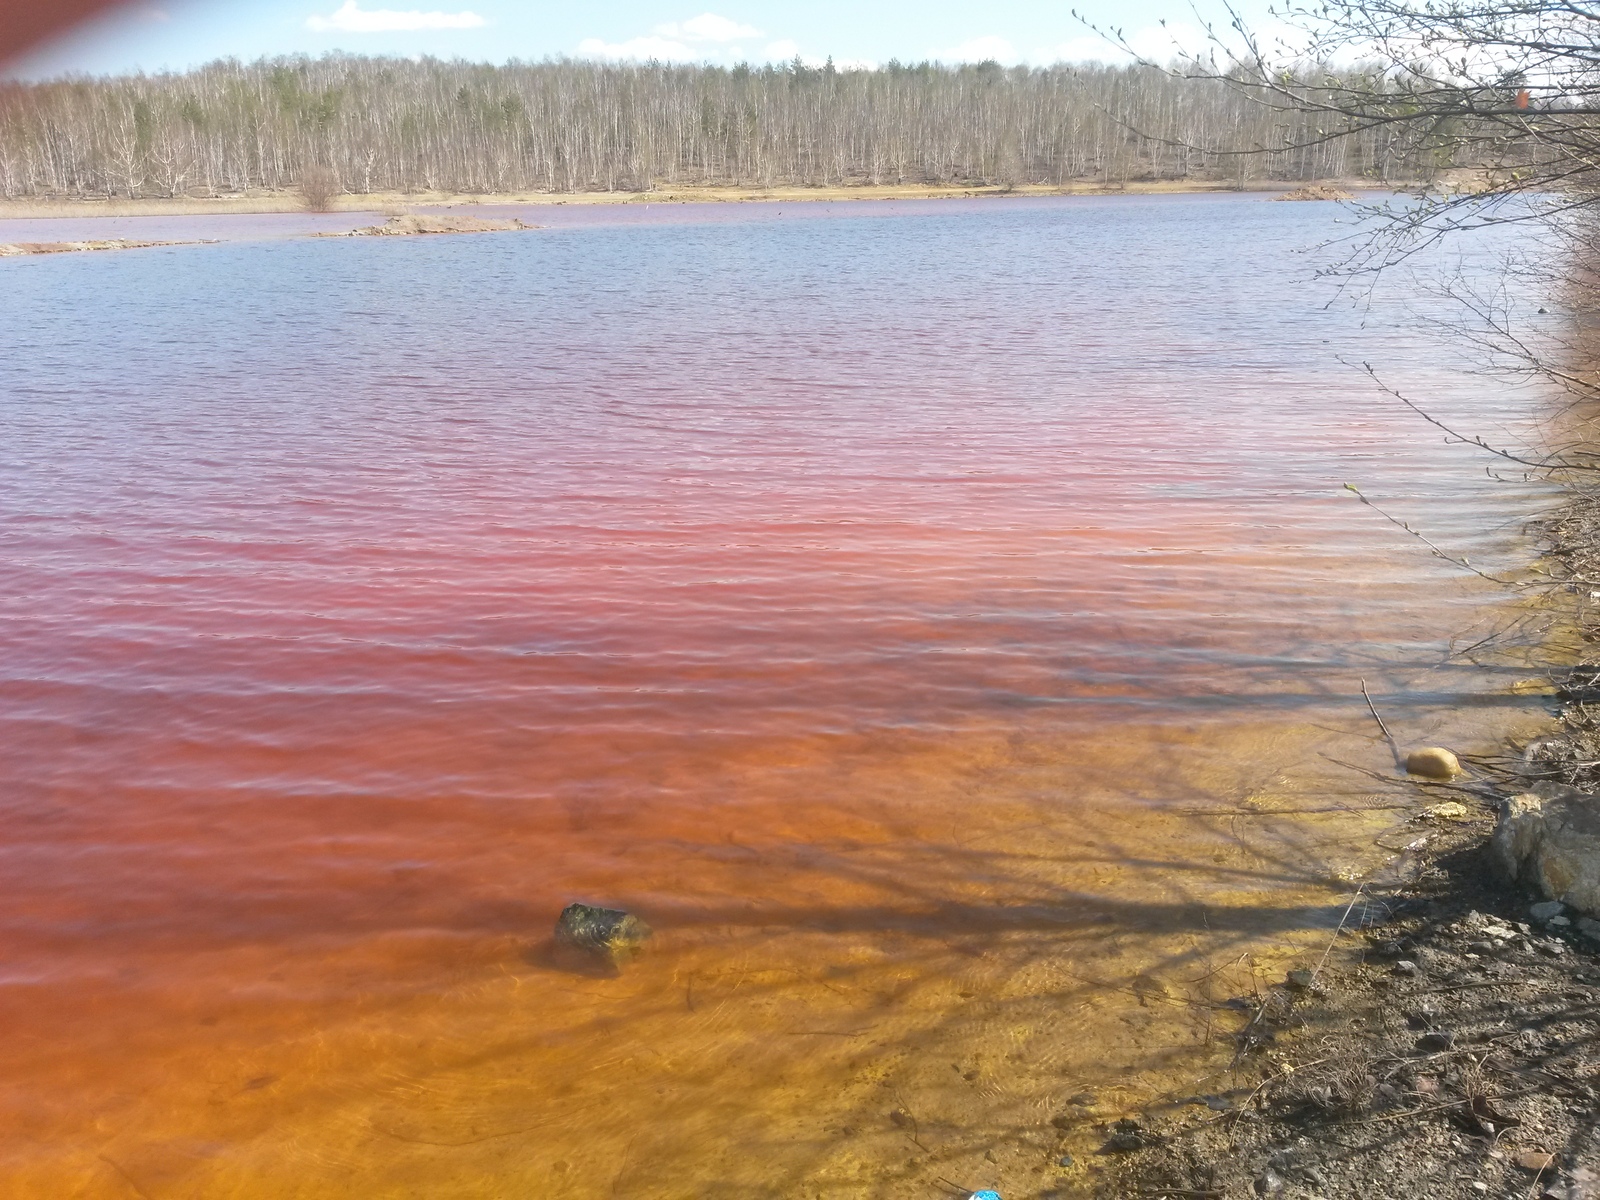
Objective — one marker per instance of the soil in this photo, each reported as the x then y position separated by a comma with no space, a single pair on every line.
412,224
1429,1058
12,249
1317,191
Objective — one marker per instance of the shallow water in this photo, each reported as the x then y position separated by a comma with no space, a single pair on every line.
942,621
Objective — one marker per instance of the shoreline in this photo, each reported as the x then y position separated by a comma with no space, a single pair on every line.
1447,1043
263,203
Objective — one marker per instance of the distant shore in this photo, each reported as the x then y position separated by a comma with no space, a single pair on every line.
31,208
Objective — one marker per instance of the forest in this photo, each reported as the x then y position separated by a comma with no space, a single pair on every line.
403,125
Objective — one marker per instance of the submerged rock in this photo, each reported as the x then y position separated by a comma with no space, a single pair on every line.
1552,845
1433,762
609,932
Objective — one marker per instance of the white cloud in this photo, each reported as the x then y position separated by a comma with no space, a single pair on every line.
640,49
350,19
707,27
978,49
782,51
699,39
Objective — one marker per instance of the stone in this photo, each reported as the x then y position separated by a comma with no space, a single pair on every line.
1300,979
1433,762
1552,844
1438,1039
1559,923
1589,928
608,932
1126,1134
1546,909
1448,811
1405,967
1536,1160
1269,1183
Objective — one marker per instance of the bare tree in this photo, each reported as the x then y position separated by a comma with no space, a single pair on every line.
318,185
398,125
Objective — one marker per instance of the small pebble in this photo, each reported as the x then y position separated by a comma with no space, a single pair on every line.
1536,1160
1479,1185
1064,1161
1405,967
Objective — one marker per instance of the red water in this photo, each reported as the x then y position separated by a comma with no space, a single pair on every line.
894,604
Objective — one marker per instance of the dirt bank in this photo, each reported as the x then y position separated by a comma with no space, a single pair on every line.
14,249
273,202
413,225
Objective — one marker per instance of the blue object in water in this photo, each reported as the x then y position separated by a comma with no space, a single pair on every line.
986,1194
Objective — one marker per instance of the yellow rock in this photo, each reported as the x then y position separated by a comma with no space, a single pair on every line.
1534,687
1435,762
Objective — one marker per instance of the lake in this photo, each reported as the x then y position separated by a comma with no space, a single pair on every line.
942,621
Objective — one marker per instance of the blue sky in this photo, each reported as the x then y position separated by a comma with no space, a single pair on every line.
155,35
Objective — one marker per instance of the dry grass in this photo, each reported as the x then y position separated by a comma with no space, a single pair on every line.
397,203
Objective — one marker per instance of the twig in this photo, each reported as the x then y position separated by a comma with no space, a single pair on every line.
1373,710
1348,909
1450,558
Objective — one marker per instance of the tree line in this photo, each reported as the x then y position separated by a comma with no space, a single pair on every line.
387,124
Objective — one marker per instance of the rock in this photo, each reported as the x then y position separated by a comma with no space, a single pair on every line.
1534,687
1438,1039
1316,191
608,932
1405,967
1536,1160
1269,1183
1500,933
1064,1161
1546,909
1433,762
1126,1134
1589,928
412,224
1448,811
1300,980
1558,923
1552,844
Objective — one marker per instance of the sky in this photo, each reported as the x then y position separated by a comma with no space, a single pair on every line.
156,35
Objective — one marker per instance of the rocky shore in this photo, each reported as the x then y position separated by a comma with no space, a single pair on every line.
1448,1042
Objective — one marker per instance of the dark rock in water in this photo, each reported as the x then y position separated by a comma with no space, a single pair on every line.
605,931
1126,1135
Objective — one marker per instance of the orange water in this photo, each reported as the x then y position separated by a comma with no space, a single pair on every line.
941,622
